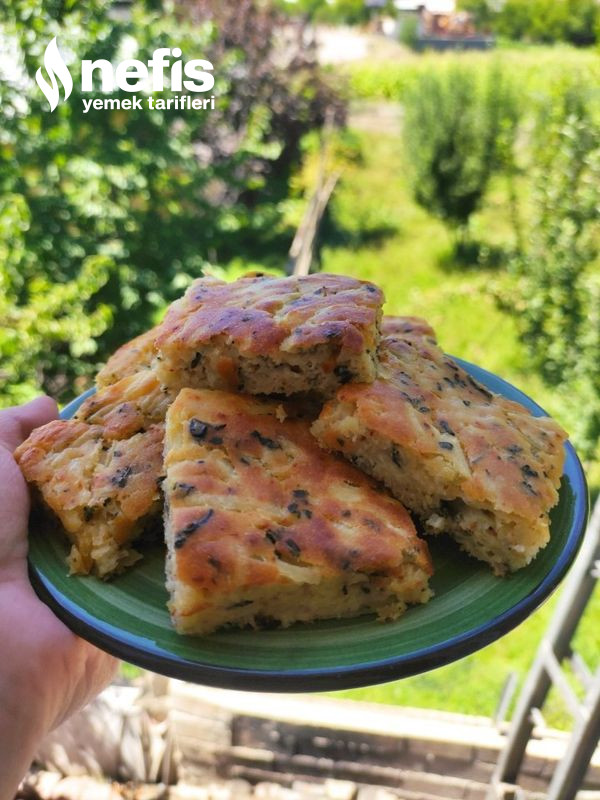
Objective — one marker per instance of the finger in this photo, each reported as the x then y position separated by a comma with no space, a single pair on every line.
16,423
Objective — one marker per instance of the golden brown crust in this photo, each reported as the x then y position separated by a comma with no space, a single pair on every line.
251,496
265,314
473,445
130,358
315,322
407,327
103,491
128,406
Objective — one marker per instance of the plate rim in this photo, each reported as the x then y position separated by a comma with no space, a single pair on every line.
150,656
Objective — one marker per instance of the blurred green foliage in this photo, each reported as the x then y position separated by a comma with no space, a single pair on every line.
546,258
535,72
409,31
557,295
106,216
348,12
458,128
575,21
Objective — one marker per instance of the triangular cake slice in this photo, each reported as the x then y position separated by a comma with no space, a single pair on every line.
263,527
104,491
99,473
467,461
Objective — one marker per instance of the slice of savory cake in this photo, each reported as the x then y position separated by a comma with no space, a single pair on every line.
268,335
465,460
133,356
128,406
263,527
99,473
104,491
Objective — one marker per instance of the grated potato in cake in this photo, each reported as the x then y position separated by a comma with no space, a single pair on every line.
263,527
465,460
267,335
103,491
132,357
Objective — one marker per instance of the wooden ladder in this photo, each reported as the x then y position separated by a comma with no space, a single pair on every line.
546,672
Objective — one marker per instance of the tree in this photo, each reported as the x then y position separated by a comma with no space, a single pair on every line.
484,12
574,21
457,130
113,213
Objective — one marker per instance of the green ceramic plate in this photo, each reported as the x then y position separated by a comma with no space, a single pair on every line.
128,616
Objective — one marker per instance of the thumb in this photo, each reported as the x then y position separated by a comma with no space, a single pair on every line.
16,423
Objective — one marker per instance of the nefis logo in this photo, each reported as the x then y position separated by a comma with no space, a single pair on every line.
130,75
55,67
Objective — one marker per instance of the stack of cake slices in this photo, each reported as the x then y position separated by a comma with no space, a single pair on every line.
300,447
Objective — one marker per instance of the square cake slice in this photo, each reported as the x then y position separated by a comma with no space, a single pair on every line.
465,460
104,491
267,335
265,528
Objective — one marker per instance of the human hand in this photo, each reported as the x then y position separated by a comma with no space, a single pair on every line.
46,672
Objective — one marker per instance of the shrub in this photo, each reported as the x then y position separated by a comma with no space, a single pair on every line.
557,294
457,130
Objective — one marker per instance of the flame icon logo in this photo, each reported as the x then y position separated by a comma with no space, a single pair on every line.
56,68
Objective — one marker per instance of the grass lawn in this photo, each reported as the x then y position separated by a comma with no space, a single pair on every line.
377,232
